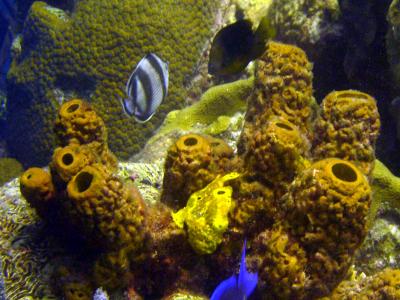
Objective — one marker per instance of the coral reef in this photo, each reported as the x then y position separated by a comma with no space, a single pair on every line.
77,123
10,168
303,216
277,153
253,10
89,54
108,209
295,242
282,266
84,136
184,295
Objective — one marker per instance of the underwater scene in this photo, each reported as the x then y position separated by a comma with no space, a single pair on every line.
200,149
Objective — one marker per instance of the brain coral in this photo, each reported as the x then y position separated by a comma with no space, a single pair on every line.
89,54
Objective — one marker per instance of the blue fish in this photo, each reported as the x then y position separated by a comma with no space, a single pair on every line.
237,287
146,88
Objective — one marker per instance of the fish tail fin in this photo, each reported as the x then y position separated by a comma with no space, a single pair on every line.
247,281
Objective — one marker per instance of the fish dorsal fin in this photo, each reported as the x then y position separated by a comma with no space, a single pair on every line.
247,281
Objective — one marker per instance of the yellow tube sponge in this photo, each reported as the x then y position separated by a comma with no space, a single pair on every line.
112,268
327,203
277,152
69,160
282,264
206,215
347,128
78,123
192,163
283,86
37,188
106,209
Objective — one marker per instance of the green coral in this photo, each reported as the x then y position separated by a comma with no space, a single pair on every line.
90,54
386,189
215,105
206,214
9,169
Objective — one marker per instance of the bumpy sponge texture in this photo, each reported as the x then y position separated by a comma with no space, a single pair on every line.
192,163
283,264
283,86
327,203
78,123
277,152
37,188
110,215
69,160
348,128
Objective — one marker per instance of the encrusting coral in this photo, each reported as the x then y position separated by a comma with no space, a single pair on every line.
222,100
89,54
303,216
9,168
386,188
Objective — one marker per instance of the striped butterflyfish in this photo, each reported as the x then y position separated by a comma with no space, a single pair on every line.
146,88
